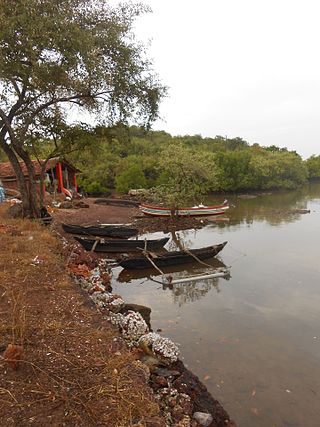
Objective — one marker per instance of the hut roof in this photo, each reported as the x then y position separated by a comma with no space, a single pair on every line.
7,171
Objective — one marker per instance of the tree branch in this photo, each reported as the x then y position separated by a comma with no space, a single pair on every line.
47,104
6,126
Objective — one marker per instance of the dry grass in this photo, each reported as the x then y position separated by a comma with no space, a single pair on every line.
75,370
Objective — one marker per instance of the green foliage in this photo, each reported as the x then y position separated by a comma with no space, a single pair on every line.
177,171
313,166
186,174
280,169
90,186
131,178
233,170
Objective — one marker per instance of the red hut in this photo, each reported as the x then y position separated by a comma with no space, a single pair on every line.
60,176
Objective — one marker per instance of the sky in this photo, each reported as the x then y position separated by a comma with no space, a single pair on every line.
238,68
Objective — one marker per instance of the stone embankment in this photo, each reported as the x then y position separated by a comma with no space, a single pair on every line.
183,399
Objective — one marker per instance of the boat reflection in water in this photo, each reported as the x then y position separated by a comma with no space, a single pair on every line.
181,292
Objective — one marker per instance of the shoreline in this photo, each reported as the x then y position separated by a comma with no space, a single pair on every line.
176,390
171,385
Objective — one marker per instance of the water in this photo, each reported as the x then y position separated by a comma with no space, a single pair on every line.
254,339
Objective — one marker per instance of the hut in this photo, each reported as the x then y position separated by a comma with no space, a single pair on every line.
60,176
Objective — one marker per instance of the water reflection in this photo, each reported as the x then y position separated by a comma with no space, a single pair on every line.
275,208
183,293
258,339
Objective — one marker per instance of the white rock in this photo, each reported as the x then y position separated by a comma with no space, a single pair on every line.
203,419
160,346
131,325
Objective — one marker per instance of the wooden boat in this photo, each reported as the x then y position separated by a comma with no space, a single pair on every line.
103,245
116,202
192,211
192,268
99,230
172,258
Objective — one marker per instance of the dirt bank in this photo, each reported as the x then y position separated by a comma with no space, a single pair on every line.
61,364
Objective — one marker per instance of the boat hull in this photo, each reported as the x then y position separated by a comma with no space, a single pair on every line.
115,245
108,231
172,258
195,211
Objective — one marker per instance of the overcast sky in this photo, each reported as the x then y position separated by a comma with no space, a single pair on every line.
247,68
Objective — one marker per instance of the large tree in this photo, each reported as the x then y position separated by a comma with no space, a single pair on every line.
60,53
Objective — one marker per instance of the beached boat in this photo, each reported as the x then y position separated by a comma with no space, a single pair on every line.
200,210
117,202
103,245
172,258
100,230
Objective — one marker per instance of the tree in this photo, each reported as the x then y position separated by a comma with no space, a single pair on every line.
313,165
133,177
233,167
56,54
185,175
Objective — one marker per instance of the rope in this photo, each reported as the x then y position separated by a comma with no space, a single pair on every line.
145,253
94,245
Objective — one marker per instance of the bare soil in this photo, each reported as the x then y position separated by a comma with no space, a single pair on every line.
61,364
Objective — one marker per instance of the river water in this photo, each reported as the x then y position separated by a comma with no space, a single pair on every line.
253,339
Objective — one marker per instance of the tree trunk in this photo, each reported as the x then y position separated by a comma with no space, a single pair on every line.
30,206
34,207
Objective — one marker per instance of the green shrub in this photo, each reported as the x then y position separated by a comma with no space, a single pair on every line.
133,177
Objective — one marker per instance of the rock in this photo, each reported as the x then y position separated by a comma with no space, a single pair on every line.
15,211
13,355
202,400
137,192
158,382
203,419
166,373
79,205
163,348
112,302
66,205
131,325
151,361
142,309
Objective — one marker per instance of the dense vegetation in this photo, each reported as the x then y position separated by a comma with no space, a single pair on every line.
123,158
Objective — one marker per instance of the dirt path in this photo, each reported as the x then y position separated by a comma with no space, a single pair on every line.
96,214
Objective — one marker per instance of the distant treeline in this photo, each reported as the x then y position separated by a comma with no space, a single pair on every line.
123,158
